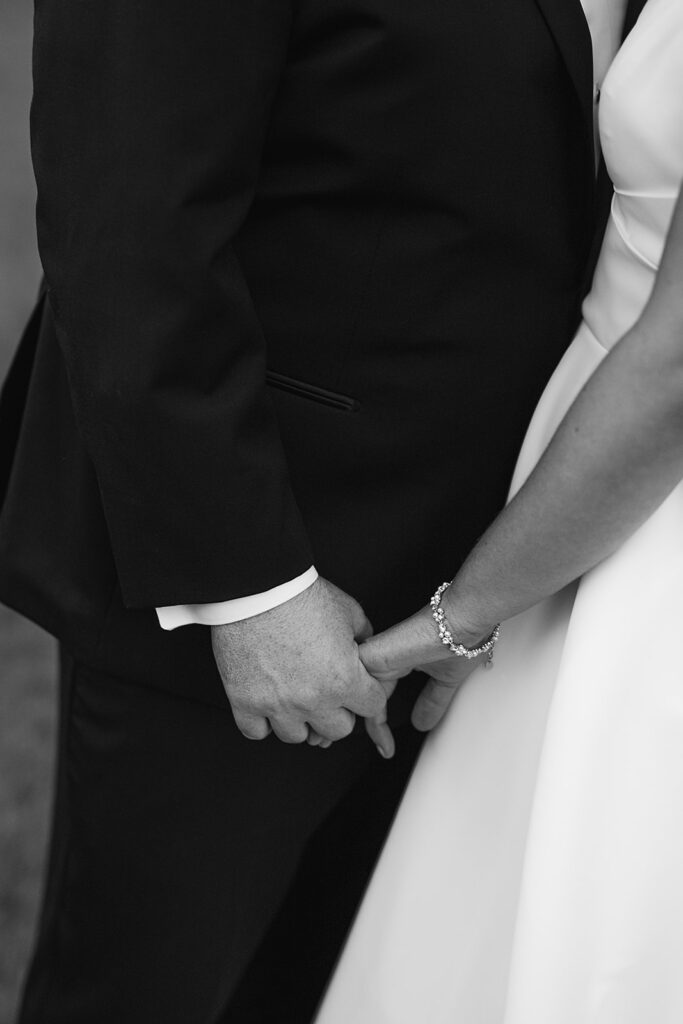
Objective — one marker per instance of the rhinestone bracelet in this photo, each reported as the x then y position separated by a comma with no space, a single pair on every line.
446,637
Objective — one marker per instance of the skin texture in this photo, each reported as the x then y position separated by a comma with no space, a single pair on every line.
615,457
296,669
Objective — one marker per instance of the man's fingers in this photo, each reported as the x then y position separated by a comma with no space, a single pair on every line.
360,623
381,735
364,630
377,728
388,685
336,725
289,729
368,698
432,704
362,627
253,727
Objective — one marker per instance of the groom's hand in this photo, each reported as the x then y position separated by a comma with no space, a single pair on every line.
298,666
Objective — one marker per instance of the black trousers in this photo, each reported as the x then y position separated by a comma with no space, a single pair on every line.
194,876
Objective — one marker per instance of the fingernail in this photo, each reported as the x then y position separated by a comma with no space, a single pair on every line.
383,752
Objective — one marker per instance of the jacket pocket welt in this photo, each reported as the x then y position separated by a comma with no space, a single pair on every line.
302,389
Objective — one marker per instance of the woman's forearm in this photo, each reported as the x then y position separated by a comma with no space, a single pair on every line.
614,459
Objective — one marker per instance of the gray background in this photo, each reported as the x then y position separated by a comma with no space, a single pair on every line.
27,695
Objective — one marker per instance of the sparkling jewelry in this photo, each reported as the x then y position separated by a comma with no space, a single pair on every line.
446,637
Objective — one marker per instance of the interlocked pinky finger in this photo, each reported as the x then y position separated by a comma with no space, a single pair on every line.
314,738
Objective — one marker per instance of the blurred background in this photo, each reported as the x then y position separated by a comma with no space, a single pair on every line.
27,692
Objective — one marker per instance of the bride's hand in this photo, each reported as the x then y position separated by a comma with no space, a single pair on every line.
413,645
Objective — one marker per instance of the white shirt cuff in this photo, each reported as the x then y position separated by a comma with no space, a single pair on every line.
223,612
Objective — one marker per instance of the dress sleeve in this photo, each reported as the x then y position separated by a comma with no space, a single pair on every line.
148,123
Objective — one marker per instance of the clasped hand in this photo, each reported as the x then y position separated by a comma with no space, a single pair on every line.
304,670
296,671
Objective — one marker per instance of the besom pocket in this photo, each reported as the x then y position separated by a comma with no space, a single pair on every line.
312,392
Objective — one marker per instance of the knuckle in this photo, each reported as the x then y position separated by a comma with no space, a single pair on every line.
380,662
307,699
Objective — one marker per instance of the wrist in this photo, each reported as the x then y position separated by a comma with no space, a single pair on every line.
467,627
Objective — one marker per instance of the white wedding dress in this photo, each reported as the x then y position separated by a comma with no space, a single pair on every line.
534,873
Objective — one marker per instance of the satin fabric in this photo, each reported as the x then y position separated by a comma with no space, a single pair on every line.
533,874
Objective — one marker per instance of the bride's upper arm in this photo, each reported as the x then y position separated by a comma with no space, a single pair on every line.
662,317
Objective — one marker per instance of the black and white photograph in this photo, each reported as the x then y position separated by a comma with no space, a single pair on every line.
341,512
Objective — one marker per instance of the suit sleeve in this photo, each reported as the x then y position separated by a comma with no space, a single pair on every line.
148,124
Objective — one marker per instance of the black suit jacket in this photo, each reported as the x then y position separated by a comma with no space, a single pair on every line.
309,264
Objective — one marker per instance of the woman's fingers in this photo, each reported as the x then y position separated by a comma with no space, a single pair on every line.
432,704
445,679
398,650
